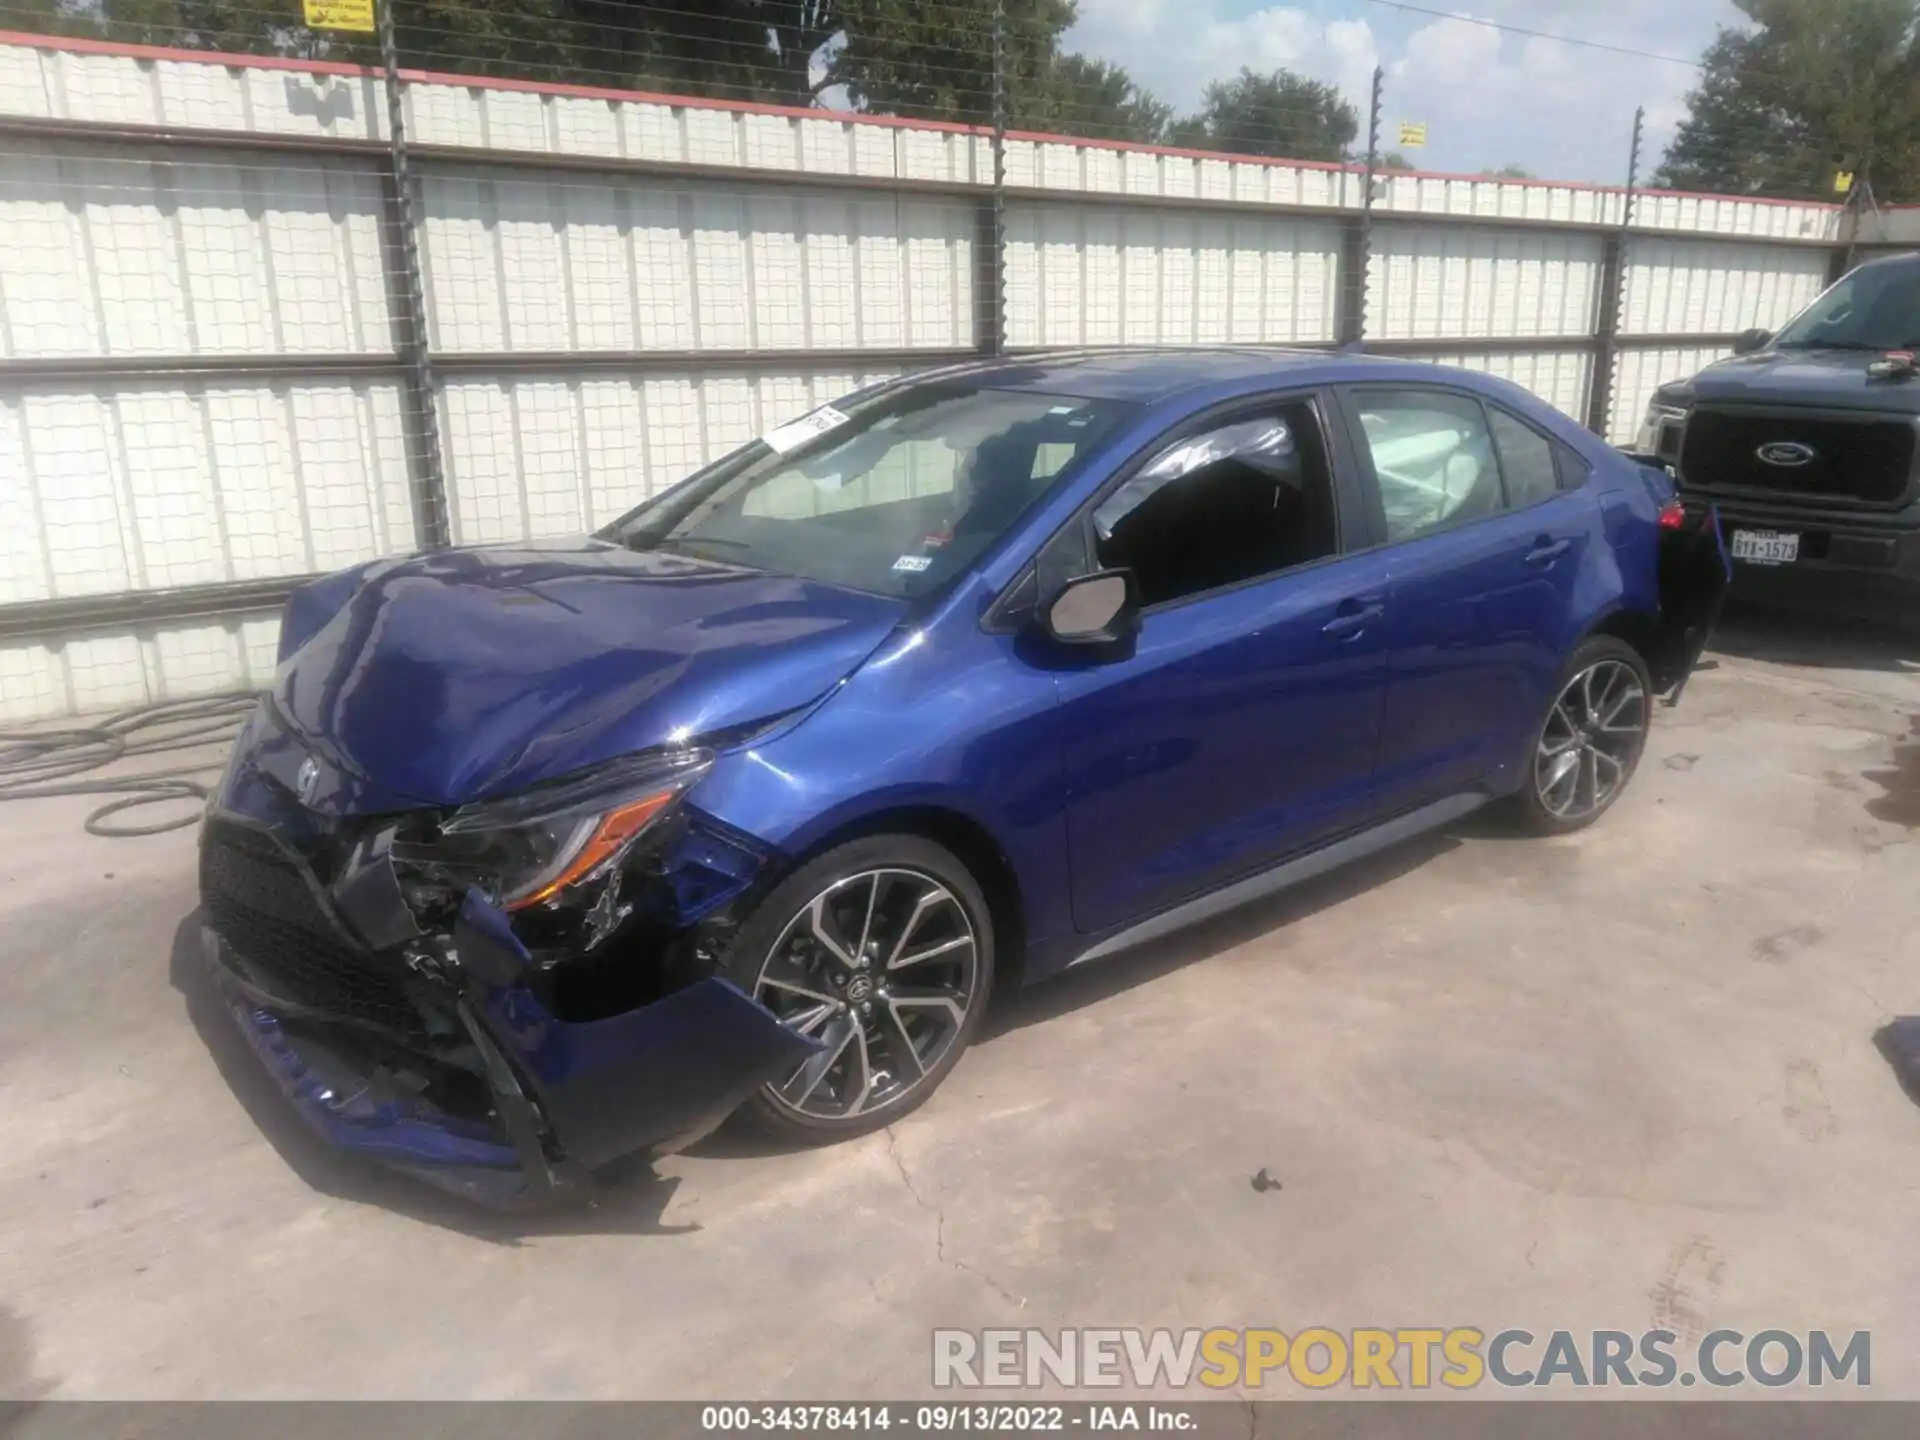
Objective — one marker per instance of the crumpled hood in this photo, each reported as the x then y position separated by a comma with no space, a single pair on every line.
466,674
1834,379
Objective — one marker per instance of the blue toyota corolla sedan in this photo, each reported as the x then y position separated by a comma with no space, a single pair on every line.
543,856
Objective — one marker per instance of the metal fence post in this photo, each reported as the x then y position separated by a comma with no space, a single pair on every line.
1613,260
425,470
993,337
1357,245
1859,196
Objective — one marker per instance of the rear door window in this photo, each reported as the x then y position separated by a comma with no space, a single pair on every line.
1433,459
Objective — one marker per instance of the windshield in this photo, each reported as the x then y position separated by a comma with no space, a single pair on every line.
895,496
1877,308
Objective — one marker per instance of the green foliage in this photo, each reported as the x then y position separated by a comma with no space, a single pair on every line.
1280,114
1817,86
935,62
1078,96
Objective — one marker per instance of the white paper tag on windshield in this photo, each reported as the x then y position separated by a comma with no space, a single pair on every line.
795,433
913,564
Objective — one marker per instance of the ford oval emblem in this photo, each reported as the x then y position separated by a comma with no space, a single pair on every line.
1785,452
307,779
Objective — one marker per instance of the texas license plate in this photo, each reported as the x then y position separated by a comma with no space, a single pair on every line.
1766,547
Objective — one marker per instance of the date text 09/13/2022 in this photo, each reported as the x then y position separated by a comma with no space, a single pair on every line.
936,1419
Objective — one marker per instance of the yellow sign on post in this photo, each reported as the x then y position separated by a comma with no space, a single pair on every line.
339,14
1413,133
1842,181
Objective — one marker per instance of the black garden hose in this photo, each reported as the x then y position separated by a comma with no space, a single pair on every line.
38,764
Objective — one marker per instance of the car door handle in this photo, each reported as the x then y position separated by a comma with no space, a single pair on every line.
1348,623
1546,550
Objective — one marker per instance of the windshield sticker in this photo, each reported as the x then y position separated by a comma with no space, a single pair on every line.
795,433
913,564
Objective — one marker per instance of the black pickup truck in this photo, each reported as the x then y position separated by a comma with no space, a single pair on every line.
1808,442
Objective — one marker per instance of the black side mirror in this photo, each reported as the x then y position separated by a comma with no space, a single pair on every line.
1748,341
1095,609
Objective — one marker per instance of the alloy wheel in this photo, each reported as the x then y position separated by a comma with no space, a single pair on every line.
1591,740
881,967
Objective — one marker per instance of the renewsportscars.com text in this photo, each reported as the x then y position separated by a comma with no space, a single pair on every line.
1459,1358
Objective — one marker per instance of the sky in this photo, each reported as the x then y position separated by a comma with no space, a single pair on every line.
1488,98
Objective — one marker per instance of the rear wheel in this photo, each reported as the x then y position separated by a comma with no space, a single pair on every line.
881,950
1591,740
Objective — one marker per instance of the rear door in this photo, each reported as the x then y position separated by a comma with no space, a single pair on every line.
1484,545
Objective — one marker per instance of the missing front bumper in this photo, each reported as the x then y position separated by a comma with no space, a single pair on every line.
565,1098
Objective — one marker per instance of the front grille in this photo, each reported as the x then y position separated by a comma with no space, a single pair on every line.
256,897
1866,459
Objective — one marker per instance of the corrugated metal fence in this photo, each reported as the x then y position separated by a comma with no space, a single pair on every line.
206,377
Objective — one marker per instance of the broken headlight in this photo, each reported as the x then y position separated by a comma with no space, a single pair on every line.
534,848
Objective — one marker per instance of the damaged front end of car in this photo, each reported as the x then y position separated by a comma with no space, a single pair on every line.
498,997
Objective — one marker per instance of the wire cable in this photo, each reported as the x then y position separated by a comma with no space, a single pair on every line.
41,764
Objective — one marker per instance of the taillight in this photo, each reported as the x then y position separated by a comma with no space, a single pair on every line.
1673,515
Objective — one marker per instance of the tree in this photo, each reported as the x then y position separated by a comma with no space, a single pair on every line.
1078,96
1281,114
1509,172
935,62
1817,86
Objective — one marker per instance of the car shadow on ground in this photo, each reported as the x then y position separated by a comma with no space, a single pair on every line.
1786,637
630,1201
1017,1008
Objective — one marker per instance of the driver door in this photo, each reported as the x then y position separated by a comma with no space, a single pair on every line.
1236,726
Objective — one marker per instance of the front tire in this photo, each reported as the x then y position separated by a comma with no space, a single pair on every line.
881,948
1590,742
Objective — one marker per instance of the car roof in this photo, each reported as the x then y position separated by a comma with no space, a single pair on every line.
1166,374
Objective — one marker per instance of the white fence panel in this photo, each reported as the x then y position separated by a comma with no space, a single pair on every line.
1496,199
572,264
1671,287
148,486
254,94
196,255
1081,276
84,674
1446,282
529,458
1725,215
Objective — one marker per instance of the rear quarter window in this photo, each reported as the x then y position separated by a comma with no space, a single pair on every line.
1571,468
